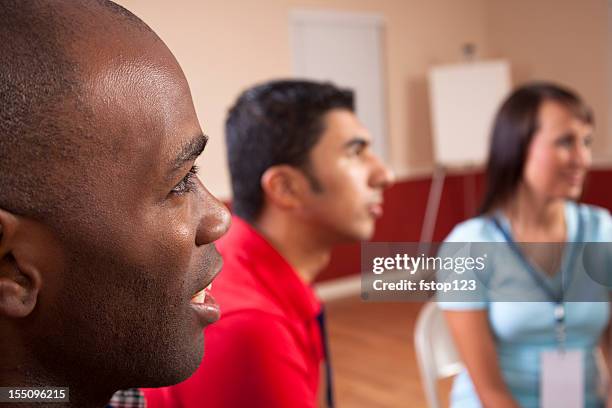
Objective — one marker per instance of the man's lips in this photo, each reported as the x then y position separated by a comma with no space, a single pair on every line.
375,210
202,302
200,297
205,307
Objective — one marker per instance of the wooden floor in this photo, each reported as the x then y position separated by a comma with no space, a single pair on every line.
373,355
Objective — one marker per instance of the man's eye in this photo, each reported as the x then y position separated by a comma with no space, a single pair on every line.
357,149
187,184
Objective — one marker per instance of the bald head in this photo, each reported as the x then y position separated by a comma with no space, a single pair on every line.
45,121
105,230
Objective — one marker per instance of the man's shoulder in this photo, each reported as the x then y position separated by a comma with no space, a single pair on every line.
237,288
254,321
253,329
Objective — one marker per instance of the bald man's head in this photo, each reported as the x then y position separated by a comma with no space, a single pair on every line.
105,230
43,117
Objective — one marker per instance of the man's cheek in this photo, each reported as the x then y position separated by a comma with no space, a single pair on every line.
170,266
167,247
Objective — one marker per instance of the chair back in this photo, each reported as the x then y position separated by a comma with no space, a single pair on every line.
435,351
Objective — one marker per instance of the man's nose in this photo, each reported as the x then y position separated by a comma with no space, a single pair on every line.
214,222
381,176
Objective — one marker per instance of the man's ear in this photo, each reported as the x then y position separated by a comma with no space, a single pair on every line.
284,186
20,280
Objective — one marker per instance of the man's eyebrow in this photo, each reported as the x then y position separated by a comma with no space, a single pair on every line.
190,151
356,141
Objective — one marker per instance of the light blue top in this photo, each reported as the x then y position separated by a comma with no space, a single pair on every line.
522,330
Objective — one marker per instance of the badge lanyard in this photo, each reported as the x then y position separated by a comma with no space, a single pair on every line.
556,298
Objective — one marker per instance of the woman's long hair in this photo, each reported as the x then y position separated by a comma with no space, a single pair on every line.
513,130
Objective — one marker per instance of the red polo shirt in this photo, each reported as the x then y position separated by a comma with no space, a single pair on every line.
266,349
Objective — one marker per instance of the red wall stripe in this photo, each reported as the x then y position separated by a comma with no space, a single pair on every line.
405,204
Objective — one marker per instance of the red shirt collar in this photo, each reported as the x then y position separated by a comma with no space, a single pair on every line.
276,276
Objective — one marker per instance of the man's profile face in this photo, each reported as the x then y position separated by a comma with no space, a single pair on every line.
351,177
138,247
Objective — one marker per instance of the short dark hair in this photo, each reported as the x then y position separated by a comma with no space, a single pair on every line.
274,123
514,126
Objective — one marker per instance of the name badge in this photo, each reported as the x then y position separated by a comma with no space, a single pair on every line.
562,380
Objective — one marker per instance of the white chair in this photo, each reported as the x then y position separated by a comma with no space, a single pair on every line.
435,351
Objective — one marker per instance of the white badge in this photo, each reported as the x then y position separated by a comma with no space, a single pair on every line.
562,381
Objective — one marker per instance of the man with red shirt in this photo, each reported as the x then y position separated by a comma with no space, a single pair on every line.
304,179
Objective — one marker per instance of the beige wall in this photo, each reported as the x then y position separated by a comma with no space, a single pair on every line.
560,40
227,45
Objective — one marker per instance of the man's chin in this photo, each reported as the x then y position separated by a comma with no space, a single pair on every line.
363,232
174,370
367,230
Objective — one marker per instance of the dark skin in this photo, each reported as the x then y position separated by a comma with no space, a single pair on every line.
103,302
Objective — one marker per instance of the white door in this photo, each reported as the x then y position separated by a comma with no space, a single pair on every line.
346,49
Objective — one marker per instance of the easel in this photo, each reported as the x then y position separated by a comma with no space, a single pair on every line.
464,100
434,198
431,211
